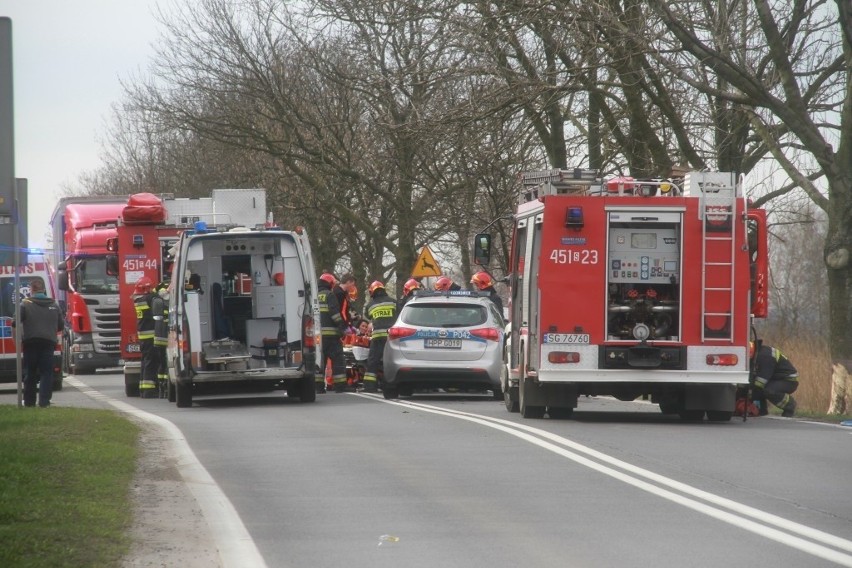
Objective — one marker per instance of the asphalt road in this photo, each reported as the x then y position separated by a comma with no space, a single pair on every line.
455,480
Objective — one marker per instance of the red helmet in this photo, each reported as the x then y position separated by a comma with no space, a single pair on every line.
443,284
376,285
410,285
482,280
143,285
328,278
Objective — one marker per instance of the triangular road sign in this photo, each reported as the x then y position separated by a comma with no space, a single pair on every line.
426,265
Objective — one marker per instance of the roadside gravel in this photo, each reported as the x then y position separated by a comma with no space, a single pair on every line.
169,528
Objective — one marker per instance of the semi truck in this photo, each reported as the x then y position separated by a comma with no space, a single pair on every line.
88,295
631,288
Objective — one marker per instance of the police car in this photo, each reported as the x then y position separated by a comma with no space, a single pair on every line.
451,339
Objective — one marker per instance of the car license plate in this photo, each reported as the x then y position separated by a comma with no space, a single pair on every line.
443,343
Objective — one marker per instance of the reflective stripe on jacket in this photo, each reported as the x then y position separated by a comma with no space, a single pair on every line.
381,311
330,319
144,317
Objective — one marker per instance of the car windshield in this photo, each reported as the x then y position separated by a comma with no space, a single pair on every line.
444,315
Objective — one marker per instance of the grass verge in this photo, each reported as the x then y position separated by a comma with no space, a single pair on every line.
64,496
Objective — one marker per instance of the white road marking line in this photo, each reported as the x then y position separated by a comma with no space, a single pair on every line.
549,441
234,543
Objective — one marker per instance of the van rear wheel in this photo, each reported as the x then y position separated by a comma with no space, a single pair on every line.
131,385
308,389
183,396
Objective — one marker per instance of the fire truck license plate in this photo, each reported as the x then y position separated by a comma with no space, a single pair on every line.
566,338
443,343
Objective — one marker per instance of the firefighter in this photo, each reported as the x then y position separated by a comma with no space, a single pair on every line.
332,328
381,311
160,312
346,293
408,292
483,282
775,379
445,284
143,296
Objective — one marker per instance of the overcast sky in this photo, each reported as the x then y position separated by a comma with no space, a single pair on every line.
68,59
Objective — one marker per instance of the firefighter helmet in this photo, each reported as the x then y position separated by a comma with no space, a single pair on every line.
482,280
376,285
443,284
143,286
410,286
328,278
278,278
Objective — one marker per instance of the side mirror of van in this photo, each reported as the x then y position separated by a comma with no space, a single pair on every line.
482,249
112,265
62,280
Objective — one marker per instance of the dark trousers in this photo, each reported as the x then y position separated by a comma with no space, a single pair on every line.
377,351
38,369
150,366
776,392
332,349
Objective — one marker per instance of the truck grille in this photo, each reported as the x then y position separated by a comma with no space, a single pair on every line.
106,329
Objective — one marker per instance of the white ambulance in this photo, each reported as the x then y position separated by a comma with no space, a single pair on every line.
243,313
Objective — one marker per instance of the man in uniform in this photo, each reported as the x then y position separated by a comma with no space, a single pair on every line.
160,312
775,379
332,327
143,296
381,311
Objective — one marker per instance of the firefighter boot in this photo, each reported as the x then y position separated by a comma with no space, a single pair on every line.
371,386
320,387
790,408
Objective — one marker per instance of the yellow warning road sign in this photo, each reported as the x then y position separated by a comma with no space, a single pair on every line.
426,265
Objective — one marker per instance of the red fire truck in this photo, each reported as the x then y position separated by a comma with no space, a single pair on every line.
149,226
631,288
89,296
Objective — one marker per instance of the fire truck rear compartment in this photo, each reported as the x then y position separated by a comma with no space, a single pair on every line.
644,275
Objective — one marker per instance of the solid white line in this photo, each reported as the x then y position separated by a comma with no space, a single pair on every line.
538,437
233,542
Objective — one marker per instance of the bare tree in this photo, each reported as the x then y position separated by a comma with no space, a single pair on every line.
795,87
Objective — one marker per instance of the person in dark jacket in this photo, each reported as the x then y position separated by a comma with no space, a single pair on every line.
483,282
381,311
41,320
445,284
408,289
332,328
160,311
775,379
143,296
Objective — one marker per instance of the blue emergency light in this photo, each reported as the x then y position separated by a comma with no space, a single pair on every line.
574,218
